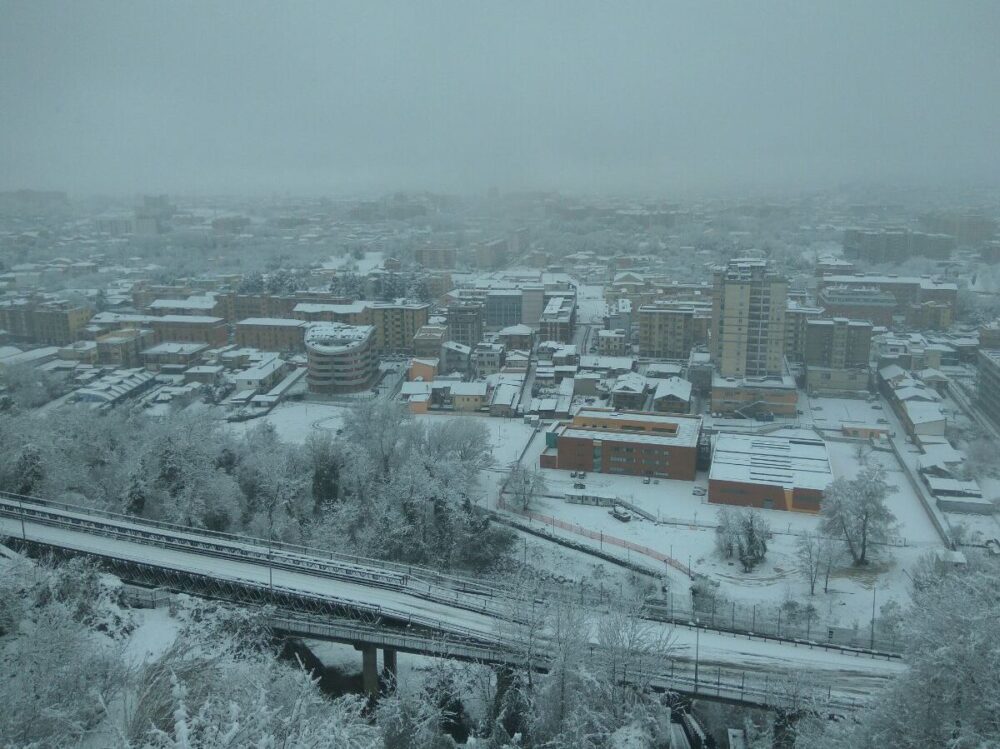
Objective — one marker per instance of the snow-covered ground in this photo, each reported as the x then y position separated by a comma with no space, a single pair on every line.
590,303
772,583
295,421
686,530
155,632
915,526
368,263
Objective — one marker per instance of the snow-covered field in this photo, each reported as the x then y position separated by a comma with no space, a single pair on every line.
294,422
773,582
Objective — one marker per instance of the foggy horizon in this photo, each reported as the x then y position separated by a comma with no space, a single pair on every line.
253,98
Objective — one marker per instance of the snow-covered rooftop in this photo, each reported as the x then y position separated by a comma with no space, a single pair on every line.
796,460
273,321
673,387
336,337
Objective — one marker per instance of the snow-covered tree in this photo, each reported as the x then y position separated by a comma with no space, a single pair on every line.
379,428
57,671
288,710
817,555
28,387
525,484
251,283
856,511
347,284
28,471
949,695
743,534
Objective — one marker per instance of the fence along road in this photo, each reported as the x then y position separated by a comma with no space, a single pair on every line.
753,620
246,570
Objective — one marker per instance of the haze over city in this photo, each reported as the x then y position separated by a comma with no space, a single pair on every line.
671,98
512,375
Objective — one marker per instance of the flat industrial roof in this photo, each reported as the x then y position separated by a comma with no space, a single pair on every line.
924,283
170,347
798,460
282,321
684,437
353,308
645,417
187,319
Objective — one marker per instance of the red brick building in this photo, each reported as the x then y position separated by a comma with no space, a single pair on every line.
773,472
633,443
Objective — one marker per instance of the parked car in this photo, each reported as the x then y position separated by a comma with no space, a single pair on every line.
621,514
572,474
646,480
582,474
579,485
698,491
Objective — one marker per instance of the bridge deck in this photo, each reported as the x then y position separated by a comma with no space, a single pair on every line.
846,677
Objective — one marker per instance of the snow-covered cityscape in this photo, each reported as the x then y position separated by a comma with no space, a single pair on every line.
423,442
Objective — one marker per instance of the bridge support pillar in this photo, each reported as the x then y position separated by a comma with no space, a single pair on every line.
369,670
505,678
389,668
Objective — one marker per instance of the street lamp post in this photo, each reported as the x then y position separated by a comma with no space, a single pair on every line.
270,567
697,648
874,588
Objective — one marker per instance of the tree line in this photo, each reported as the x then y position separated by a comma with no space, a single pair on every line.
389,487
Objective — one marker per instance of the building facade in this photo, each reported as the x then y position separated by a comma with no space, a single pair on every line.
669,329
55,322
858,303
396,323
906,290
748,319
558,320
341,357
613,342
988,384
895,245
271,334
837,355
626,442
503,308
435,257
770,472
427,341
796,318
465,323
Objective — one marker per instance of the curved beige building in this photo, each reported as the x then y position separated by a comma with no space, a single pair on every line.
341,357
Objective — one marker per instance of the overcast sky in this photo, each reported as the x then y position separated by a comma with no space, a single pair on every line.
327,97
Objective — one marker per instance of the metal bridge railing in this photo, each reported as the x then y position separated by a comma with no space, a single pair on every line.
331,565
673,675
406,631
417,572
